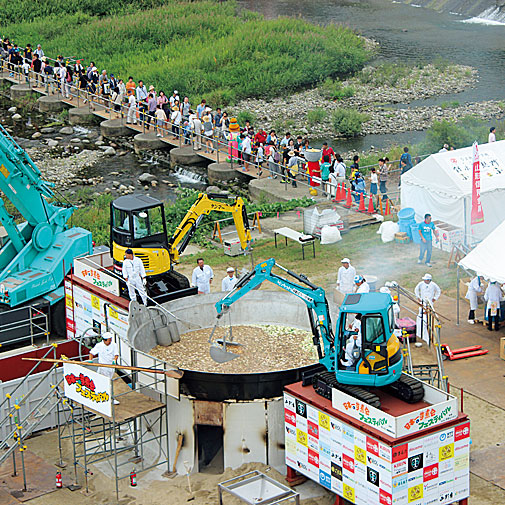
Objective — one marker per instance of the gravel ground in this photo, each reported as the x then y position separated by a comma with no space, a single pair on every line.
265,348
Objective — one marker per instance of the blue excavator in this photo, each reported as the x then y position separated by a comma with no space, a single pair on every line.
361,355
39,251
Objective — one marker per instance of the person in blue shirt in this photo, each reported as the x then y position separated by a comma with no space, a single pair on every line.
426,229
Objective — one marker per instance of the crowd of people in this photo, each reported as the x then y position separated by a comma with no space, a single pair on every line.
283,157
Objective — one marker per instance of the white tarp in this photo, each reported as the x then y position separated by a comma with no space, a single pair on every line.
442,186
488,259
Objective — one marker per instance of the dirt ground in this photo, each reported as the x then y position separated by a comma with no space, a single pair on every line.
481,378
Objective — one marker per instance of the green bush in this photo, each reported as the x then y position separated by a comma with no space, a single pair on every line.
449,105
334,90
347,122
456,134
246,115
316,116
385,74
196,47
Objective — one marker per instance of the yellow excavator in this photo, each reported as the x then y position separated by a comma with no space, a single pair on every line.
137,222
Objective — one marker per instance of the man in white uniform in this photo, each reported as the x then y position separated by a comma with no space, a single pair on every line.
202,277
361,284
493,297
229,282
107,353
353,345
427,290
345,277
135,276
474,288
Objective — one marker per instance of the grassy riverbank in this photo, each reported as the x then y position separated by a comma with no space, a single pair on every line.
204,49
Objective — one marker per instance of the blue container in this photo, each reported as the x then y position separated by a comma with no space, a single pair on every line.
414,230
407,214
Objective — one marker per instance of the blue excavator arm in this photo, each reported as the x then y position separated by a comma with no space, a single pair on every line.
313,296
40,250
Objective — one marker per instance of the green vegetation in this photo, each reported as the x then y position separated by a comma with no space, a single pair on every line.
334,90
205,49
316,116
347,122
94,215
449,105
386,74
246,115
456,134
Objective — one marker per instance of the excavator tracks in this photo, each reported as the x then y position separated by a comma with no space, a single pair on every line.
324,382
406,389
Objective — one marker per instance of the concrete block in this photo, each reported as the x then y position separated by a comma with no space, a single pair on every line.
20,91
81,115
51,103
148,142
115,128
185,156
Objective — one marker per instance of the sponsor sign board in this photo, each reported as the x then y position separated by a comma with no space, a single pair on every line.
362,469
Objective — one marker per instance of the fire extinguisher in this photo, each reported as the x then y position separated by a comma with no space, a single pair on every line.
133,478
59,482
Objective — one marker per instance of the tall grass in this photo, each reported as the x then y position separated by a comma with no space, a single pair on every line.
203,49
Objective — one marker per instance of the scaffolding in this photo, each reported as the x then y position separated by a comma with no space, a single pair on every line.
134,438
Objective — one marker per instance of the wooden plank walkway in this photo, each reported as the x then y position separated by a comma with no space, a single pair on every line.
107,113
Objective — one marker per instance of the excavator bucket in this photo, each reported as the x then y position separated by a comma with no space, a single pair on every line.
219,348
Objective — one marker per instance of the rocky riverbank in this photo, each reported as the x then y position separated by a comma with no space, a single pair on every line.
373,92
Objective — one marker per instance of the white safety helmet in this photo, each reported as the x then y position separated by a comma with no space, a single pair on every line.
358,279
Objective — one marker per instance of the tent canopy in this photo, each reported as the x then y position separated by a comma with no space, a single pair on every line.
487,259
442,186
450,173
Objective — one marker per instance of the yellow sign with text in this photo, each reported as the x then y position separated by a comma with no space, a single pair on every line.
415,493
301,437
446,452
360,454
95,302
324,421
348,493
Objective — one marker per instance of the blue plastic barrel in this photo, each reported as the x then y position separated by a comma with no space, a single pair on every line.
415,233
406,214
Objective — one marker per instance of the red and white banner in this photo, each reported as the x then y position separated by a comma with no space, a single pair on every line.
477,215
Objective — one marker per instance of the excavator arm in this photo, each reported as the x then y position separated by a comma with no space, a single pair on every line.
40,250
313,296
203,206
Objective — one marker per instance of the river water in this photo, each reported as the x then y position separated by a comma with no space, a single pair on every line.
410,35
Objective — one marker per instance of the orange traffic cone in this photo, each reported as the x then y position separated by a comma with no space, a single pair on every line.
388,210
341,192
338,194
371,209
348,203
361,207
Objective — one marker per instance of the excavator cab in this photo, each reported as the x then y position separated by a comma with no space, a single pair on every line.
368,352
137,222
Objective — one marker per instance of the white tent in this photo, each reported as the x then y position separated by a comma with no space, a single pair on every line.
488,258
442,186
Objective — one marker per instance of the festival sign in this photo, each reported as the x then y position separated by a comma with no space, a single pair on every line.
426,470
99,278
89,388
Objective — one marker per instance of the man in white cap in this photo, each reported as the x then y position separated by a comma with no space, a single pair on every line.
361,284
107,353
135,276
427,290
174,98
229,282
345,277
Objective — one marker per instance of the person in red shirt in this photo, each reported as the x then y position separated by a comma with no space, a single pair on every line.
260,137
328,151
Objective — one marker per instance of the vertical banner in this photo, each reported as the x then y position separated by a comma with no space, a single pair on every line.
477,215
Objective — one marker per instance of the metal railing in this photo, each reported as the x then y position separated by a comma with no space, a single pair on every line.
30,326
219,145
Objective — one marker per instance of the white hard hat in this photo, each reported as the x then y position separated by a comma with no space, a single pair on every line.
230,269
107,335
385,290
427,277
358,279
345,260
